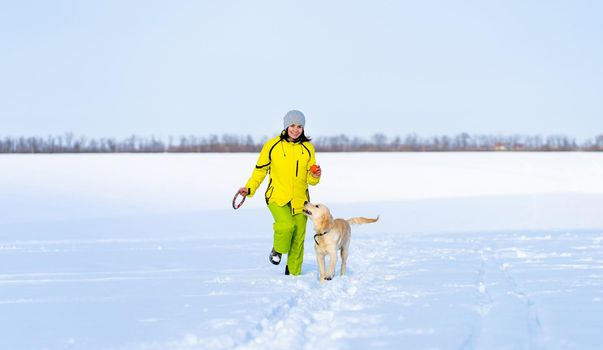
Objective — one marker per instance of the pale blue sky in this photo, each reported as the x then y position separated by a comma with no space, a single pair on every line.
116,68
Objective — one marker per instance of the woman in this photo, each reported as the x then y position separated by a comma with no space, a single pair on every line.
291,163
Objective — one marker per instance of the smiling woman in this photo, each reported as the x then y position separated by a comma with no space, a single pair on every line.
289,158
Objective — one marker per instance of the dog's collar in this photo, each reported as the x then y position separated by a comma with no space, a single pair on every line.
319,234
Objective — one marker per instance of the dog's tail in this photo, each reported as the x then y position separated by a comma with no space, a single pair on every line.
361,220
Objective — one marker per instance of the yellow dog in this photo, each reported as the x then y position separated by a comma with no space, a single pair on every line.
332,235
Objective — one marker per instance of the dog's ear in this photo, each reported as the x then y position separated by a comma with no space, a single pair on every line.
325,222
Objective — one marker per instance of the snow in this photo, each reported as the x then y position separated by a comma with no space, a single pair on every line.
472,251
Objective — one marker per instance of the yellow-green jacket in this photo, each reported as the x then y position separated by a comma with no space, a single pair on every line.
288,164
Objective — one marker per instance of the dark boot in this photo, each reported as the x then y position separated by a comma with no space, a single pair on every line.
287,270
275,257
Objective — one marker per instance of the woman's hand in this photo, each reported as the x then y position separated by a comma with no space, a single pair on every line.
243,191
315,171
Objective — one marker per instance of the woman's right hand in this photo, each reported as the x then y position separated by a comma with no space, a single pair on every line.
243,191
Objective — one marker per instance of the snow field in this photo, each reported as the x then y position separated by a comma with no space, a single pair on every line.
472,251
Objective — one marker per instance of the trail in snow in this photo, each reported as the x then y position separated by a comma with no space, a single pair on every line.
529,290
443,291
317,315
501,301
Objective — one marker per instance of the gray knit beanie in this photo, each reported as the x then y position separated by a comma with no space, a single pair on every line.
294,117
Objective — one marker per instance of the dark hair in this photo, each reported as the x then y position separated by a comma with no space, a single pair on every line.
300,139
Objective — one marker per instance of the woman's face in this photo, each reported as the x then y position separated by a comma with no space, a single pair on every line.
294,131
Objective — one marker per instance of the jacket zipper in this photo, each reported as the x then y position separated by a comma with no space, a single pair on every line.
296,167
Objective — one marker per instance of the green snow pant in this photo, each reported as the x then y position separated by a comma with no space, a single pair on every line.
289,235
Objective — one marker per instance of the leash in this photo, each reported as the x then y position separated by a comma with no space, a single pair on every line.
236,205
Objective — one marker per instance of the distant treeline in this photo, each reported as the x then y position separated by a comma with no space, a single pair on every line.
464,142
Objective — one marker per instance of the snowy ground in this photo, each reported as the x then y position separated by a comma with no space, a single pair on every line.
473,251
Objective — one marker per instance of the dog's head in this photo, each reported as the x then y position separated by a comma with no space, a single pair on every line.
320,216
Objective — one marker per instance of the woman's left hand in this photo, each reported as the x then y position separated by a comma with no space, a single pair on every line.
316,174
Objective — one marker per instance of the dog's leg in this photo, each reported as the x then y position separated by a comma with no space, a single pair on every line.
332,263
344,259
320,258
